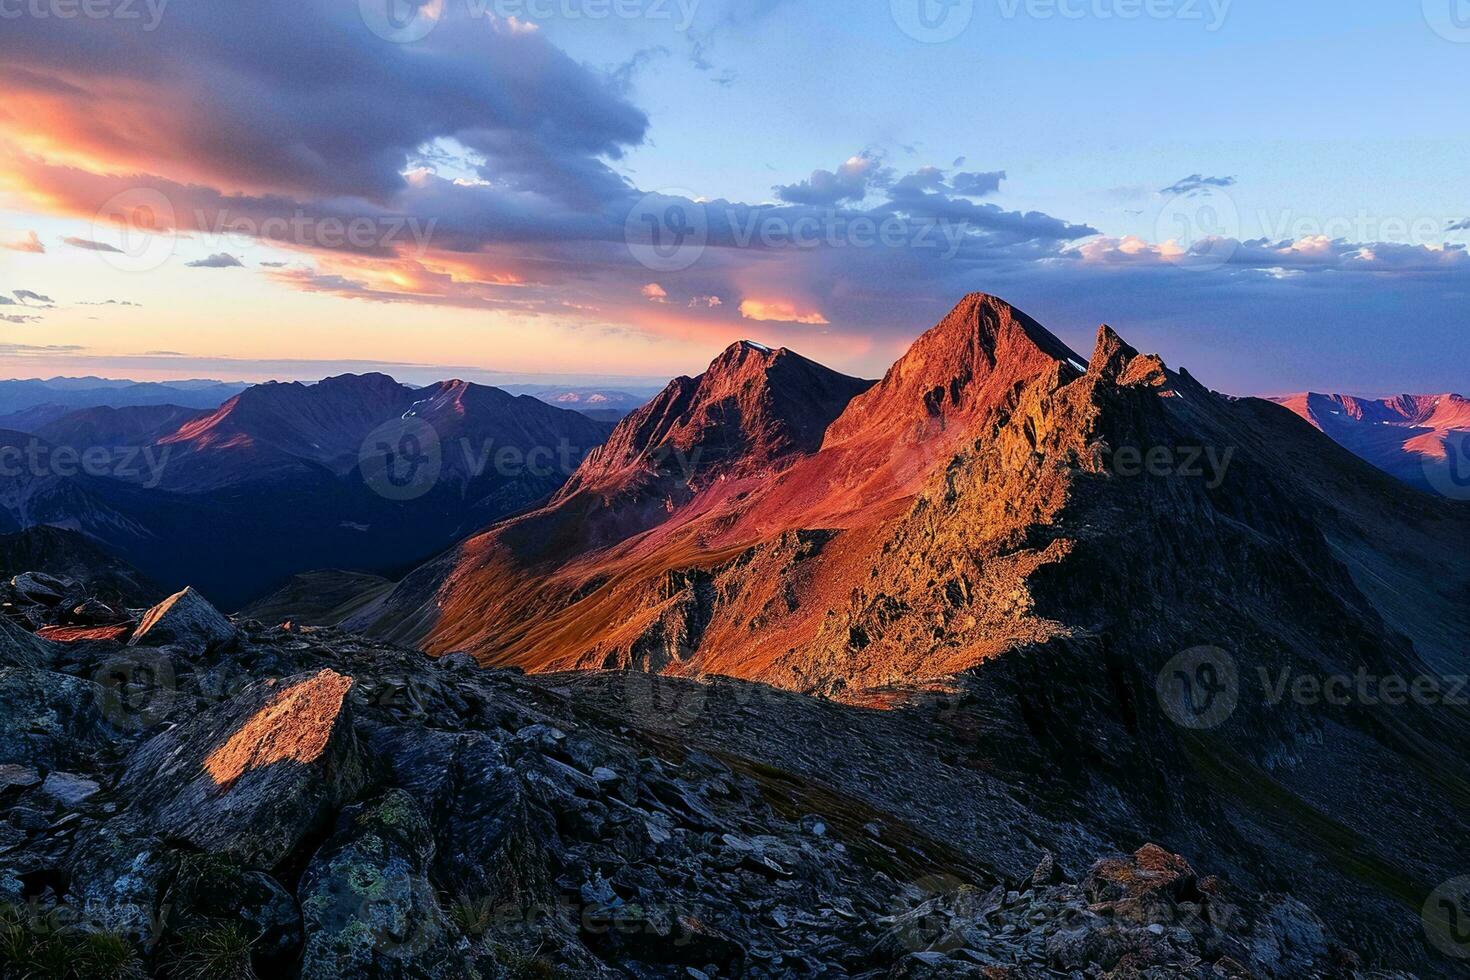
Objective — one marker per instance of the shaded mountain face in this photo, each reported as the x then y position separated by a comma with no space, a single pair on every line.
355,472
69,555
1423,440
277,428
1086,553
110,428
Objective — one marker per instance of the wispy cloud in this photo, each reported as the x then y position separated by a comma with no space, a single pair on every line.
31,242
219,260
1194,184
89,245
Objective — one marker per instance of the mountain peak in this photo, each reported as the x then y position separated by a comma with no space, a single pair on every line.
752,406
959,368
742,353
1116,361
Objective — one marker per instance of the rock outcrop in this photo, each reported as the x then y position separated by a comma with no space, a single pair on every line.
376,814
185,618
252,777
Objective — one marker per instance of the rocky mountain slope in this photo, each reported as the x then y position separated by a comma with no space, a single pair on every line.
1421,439
1086,556
227,799
321,597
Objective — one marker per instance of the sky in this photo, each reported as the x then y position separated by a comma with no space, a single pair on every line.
1272,195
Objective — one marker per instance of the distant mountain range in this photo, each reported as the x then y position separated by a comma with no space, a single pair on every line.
357,471
1423,440
27,404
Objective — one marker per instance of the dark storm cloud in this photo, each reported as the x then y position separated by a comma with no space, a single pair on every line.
302,96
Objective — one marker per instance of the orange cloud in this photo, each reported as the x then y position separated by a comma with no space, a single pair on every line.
30,243
780,311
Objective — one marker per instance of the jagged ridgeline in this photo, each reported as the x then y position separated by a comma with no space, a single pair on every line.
990,665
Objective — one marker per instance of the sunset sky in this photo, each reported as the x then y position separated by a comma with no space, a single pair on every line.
1273,195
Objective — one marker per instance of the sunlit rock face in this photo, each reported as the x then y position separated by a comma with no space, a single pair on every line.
185,618
253,776
295,726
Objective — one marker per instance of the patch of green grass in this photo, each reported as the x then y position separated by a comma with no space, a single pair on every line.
34,947
522,966
474,918
1344,848
215,953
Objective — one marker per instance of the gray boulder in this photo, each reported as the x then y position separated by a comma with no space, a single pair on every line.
48,590
96,611
250,778
185,618
48,720
367,904
19,648
69,789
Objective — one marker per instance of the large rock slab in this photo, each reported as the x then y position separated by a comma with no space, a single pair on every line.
251,777
47,719
367,904
19,648
185,618
471,795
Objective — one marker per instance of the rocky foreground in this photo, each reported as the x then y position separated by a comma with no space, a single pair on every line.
207,798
